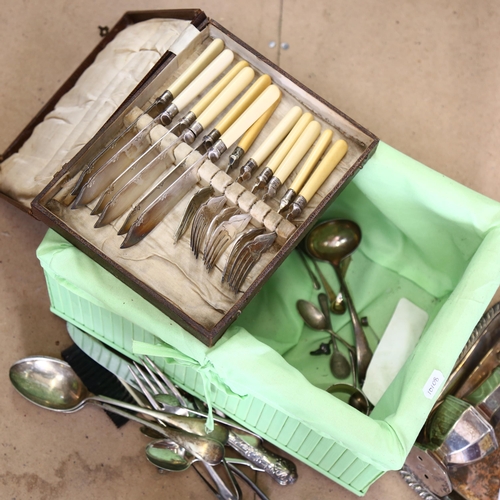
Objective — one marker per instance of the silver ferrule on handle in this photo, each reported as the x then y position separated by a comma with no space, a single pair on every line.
287,200
247,169
216,151
272,188
262,179
210,139
166,98
193,132
297,206
187,120
169,114
234,158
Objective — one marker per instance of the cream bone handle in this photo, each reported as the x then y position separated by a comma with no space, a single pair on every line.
209,97
220,103
311,161
324,169
282,151
199,84
318,177
270,143
277,135
294,156
258,107
252,133
249,137
243,103
198,65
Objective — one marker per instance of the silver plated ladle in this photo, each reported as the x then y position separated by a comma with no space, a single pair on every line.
333,241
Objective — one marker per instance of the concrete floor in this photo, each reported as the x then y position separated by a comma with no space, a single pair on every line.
423,76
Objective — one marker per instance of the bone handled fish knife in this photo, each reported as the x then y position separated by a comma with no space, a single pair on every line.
229,118
306,170
194,69
152,166
177,129
282,151
293,158
101,179
249,137
149,219
270,143
318,177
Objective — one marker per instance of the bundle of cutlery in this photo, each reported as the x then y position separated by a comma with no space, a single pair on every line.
177,422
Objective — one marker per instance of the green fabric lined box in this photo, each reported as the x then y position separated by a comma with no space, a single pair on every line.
425,238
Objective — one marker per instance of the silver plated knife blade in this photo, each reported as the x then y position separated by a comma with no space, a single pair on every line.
163,204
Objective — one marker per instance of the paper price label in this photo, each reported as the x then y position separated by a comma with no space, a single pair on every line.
434,382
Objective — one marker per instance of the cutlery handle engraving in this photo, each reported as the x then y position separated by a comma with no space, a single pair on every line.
279,468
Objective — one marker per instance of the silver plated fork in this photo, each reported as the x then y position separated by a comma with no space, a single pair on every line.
202,219
241,240
247,257
201,196
222,236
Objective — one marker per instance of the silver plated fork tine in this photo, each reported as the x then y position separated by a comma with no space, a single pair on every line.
249,255
237,246
157,386
166,381
146,379
248,260
216,221
197,199
144,389
202,219
222,237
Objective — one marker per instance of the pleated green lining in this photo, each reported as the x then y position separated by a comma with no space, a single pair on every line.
425,238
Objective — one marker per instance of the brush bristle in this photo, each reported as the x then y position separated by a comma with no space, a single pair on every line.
97,379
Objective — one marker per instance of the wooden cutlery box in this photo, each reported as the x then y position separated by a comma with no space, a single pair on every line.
165,274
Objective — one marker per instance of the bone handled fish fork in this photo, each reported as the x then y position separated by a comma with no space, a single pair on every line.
247,257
